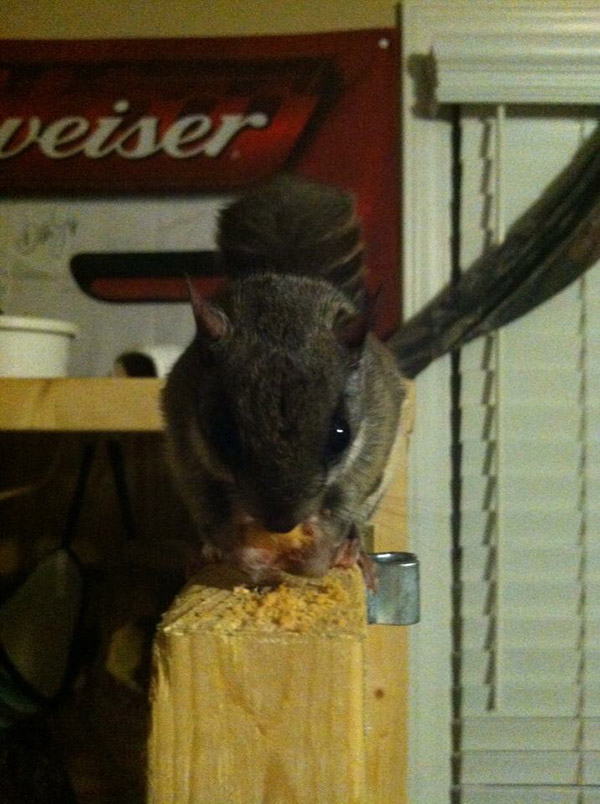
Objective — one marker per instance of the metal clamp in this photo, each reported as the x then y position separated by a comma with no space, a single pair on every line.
396,601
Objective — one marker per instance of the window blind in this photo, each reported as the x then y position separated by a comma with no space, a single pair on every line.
527,610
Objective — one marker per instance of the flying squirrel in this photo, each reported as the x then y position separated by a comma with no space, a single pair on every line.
282,413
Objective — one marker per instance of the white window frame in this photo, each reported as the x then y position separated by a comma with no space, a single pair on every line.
461,51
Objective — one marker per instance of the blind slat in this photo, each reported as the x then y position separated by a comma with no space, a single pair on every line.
494,794
520,767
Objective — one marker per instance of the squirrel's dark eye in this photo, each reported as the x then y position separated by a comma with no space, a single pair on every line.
338,438
225,438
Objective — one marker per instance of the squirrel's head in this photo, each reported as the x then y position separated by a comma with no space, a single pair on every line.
278,375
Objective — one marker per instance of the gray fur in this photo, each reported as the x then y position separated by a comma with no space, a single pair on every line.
284,366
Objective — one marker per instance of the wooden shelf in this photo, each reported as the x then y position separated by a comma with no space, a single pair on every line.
80,405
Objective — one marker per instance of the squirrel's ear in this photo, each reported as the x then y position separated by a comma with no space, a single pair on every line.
211,322
352,331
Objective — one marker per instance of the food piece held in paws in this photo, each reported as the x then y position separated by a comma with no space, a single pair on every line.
301,537
264,554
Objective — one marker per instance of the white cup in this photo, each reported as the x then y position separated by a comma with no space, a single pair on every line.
34,347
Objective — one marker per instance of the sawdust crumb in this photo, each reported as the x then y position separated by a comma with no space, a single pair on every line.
288,607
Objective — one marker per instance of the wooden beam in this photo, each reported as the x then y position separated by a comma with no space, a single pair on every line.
83,405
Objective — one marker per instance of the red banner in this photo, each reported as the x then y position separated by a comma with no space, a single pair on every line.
123,117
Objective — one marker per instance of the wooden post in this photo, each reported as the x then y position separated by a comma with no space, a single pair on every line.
260,712
289,700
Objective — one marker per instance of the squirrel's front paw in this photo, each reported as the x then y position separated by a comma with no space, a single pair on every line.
350,553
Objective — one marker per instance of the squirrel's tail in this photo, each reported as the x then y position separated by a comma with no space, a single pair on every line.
295,226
